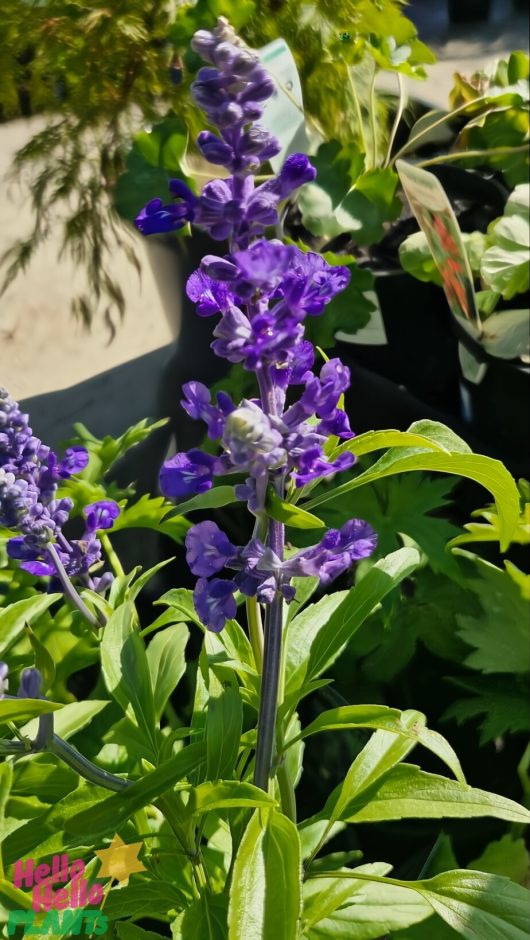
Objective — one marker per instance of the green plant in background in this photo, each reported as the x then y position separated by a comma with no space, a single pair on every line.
499,262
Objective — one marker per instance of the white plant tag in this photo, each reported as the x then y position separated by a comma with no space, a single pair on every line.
284,112
374,333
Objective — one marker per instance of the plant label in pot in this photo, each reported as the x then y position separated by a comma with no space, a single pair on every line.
284,112
437,220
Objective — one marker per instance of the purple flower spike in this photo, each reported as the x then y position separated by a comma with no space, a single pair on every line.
187,474
214,602
208,549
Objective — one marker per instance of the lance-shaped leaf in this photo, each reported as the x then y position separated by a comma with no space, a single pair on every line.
265,894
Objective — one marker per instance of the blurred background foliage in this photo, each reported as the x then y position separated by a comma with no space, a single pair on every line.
102,73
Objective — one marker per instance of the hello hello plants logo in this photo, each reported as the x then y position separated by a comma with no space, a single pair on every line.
63,899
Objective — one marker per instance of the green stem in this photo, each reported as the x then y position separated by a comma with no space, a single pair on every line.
397,118
373,120
270,681
111,554
465,154
357,109
84,767
255,630
412,141
287,796
70,590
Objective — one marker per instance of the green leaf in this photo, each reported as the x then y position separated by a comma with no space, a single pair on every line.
508,857
128,931
479,905
14,617
303,629
492,474
45,835
125,668
510,714
265,893
224,720
205,919
502,602
105,452
387,719
164,145
167,663
290,514
507,334
43,660
151,512
405,791
475,905
358,604
225,794
72,718
213,499
343,909
22,709
379,755
142,899
115,810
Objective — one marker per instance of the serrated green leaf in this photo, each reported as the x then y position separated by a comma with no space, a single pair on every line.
143,899
151,512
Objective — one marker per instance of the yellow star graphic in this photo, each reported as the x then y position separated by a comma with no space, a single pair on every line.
120,860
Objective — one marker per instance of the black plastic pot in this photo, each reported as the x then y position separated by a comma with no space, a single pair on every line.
421,352
469,11
498,407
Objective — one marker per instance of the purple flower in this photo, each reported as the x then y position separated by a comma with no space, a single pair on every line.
313,466
74,461
30,684
197,404
210,296
337,551
296,171
156,218
4,681
208,549
187,474
101,515
214,602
